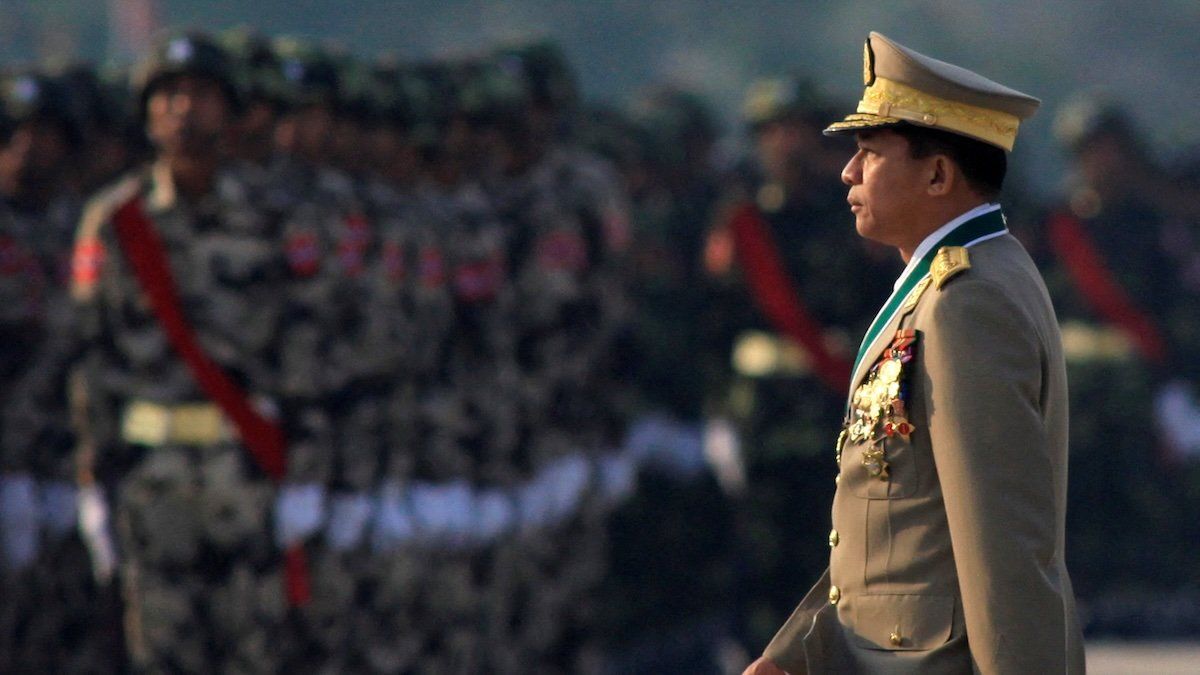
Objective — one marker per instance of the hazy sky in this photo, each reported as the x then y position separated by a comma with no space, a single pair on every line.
1142,53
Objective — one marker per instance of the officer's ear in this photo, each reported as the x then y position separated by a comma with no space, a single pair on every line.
944,175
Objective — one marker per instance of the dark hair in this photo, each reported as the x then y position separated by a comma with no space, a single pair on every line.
982,164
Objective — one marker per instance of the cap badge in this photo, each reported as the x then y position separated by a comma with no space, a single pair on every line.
868,64
180,50
26,89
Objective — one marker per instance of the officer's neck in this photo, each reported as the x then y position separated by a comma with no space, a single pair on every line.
934,214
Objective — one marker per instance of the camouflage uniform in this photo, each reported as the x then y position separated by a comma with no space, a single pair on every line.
567,220
200,568
53,613
54,616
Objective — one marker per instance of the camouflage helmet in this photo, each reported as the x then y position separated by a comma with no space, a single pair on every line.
776,98
674,123
545,70
490,92
361,95
1088,116
188,53
440,87
28,96
309,74
405,98
256,67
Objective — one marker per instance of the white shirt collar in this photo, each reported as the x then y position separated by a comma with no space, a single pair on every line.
939,234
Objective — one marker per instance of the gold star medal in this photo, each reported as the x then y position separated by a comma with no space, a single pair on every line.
890,371
874,463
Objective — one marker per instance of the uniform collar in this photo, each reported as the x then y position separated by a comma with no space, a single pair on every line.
940,234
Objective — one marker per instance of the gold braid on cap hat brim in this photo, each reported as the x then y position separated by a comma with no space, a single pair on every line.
888,102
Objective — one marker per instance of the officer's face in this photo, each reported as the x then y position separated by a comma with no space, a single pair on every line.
188,115
887,188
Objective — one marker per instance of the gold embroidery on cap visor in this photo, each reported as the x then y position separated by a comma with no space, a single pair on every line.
887,102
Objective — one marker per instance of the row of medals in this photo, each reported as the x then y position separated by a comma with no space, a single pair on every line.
878,409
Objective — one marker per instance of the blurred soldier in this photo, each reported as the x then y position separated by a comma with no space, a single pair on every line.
330,237
519,407
45,579
659,619
262,87
790,283
1120,257
675,360
181,279
111,138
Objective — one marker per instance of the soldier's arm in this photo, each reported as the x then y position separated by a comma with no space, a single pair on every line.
984,381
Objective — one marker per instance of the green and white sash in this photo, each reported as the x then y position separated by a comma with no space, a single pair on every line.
978,229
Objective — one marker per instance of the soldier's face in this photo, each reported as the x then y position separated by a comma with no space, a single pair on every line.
784,146
887,188
187,115
33,155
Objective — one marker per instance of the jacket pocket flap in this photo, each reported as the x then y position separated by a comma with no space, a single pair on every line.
898,622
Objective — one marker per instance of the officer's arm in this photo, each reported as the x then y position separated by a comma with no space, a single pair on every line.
983,364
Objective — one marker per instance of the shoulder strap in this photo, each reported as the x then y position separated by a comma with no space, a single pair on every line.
265,440
144,250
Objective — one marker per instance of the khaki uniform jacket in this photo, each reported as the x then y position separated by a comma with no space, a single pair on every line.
953,563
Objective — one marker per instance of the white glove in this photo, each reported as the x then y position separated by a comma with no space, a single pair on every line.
93,525
443,511
496,514
668,444
19,520
535,503
460,500
349,513
60,510
723,450
618,477
393,524
566,480
647,436
1178,417
299,512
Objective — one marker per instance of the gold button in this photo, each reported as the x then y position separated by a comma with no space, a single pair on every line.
833,538
896,639
835,594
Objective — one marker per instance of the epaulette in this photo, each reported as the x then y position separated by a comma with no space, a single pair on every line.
949,262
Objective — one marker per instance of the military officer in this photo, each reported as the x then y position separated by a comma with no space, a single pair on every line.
947,546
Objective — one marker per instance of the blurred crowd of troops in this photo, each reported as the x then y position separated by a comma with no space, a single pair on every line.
556,379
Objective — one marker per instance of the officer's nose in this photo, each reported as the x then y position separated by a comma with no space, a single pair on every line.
852,172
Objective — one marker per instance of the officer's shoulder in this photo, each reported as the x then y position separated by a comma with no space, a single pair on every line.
1001,262
949,262
992,276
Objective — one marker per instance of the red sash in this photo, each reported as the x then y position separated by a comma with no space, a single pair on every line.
779,299
264,439
1096,284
